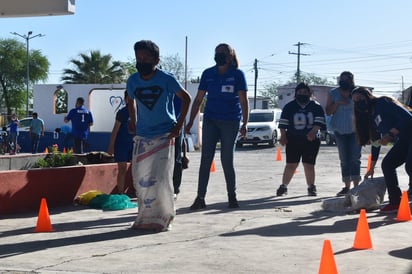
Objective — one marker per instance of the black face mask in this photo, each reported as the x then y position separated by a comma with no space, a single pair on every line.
144,68
220,58
302,99
361,106
345,85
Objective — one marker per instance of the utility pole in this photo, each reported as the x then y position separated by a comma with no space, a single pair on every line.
256,77
27,37
298,54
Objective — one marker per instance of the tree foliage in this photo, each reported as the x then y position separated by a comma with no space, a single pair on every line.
174,65
170,63
13,73
271,91
94,68
311,79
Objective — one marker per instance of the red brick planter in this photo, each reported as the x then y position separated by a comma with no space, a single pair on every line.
22,190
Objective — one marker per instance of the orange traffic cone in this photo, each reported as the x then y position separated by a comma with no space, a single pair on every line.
46,150
64,150
43,220
327,261
279,155
363,236
212,166
404,211
369,163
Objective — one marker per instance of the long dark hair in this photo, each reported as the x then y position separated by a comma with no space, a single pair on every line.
232,53
365,132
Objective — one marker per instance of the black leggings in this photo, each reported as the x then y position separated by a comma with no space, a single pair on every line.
401,153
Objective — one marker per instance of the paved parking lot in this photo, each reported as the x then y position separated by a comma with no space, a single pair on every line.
267,234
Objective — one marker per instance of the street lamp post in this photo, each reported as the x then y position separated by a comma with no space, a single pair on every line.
27,37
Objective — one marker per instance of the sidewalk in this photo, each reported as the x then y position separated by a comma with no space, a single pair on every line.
267,234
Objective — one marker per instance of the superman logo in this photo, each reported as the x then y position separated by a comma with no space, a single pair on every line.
148,96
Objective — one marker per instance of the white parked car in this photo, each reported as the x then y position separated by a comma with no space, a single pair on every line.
262,127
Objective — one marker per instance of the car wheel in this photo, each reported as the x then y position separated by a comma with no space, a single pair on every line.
274,139
328,139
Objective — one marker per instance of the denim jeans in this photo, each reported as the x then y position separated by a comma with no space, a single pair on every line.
349,156
79,145
212,132
35,140
13,139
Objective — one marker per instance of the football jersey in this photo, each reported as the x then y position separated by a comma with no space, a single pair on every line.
298,120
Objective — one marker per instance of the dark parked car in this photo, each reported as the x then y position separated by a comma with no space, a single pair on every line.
328,135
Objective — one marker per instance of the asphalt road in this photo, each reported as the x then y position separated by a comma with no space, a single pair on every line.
267,234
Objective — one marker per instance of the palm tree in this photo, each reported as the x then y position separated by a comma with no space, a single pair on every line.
94,69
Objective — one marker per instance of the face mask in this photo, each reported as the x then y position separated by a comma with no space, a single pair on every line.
361,106
302,99
220,58
144,68
345,85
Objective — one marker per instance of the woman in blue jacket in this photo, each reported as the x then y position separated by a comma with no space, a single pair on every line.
383,120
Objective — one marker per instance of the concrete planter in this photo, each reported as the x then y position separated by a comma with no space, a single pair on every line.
22,190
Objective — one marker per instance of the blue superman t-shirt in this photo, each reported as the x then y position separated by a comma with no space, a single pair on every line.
154,99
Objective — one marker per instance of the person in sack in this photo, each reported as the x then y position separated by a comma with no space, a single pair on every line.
226,105
380,121
153,91
121,144
299,125
340,107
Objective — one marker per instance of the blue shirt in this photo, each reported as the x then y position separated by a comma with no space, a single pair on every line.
81,119
14,126
222,93
154,99
123,135
342,120
36,126
389,115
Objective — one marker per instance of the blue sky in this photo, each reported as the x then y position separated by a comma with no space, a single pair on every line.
370,38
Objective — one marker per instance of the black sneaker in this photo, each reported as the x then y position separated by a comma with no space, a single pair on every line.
199,203
312,190
343,192
282,190
233,203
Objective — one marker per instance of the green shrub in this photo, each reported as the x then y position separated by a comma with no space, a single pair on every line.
56,159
